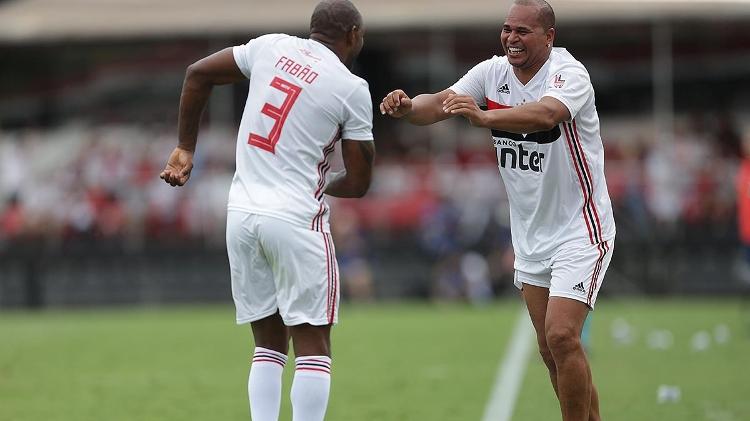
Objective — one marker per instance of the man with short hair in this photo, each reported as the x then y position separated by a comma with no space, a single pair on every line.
541,111
302,100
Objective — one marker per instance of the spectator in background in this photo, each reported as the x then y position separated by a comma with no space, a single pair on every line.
12,219
729,140
352,253
743,204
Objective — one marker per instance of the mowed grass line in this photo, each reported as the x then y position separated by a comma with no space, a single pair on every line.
391,362
713,382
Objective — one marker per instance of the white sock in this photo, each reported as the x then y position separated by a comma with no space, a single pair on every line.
264,384
312,383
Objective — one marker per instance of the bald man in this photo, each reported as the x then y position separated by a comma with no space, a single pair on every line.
541,112
302,101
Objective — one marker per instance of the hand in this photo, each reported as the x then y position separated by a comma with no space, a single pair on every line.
397,104
179,165
464,105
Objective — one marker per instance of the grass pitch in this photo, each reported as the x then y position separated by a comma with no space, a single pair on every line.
391,362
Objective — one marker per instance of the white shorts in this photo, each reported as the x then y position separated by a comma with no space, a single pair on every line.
277,265
575,271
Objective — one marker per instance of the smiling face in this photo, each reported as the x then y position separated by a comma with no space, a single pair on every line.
527,43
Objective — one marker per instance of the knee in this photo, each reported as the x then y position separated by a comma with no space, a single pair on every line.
311,340
546,354
562,340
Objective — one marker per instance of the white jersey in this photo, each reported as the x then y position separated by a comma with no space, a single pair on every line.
554,179
302,99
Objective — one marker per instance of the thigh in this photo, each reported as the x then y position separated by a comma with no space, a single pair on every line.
305,272
536,299
578,271
271,333
565,316
253,287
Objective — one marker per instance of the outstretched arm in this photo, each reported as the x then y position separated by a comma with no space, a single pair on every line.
354,181
533,117
421,110
201,76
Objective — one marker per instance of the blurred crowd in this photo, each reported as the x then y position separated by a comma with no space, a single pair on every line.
82,184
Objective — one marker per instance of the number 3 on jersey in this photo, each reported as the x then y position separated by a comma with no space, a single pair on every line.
278,114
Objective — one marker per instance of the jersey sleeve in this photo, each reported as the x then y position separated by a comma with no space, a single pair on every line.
570,85
246,54
358,114
473,82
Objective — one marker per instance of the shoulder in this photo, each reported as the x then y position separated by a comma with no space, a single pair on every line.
359,89
274,37
484,68
344,81
269,39
562,61
499,60
494,62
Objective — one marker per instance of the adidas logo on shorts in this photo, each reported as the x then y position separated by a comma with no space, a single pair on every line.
579,288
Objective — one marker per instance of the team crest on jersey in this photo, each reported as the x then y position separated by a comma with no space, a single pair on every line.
559,82
503,89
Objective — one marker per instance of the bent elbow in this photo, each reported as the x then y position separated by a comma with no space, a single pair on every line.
362,188
195,74
548,122
193,71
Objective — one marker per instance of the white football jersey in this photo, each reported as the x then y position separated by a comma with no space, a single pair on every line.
554,179
302,99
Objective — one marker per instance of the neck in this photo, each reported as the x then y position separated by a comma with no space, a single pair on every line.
524,75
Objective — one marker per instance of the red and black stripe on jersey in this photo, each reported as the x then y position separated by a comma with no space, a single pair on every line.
590,214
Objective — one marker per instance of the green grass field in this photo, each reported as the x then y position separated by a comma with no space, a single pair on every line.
391,362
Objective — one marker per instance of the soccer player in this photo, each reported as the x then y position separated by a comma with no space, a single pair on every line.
541,111
302,100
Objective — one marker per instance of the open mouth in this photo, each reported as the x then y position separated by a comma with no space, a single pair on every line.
515,51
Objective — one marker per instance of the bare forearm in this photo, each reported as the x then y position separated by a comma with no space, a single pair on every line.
195,94
527,118
354,181
340,185
426,109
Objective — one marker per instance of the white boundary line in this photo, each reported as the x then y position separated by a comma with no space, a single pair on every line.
511,371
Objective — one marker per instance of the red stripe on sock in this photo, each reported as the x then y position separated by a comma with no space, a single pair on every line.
257,360
313,369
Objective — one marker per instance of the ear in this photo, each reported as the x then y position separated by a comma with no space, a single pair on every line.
351,36
551,36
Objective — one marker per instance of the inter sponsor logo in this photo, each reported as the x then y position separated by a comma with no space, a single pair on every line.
513,155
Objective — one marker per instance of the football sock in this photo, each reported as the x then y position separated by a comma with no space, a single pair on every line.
264,384
312,383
